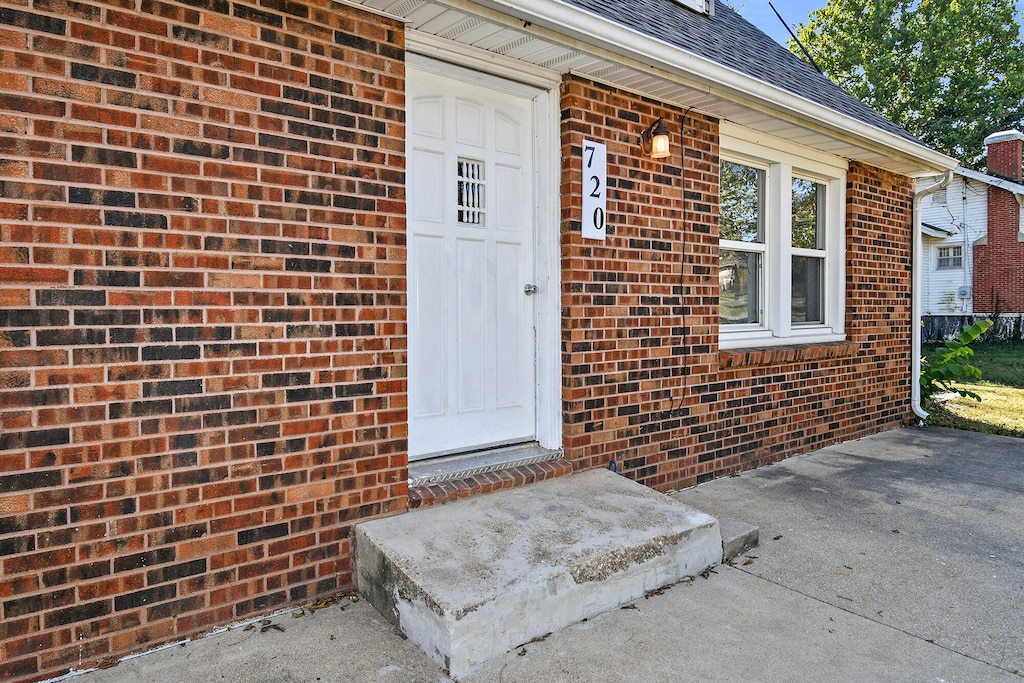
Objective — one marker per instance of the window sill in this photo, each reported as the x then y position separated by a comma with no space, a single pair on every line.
778,355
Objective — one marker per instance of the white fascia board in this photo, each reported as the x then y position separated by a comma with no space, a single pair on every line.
992,180
729,83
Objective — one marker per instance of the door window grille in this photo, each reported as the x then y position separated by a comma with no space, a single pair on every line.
471,192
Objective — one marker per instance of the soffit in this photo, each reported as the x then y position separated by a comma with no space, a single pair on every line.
474,27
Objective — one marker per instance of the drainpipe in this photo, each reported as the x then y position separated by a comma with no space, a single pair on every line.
917,266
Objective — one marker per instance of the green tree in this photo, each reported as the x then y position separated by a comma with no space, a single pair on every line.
948,71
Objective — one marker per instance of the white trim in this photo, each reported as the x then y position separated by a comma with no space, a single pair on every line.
718,79
939,248
547,254
752,143
783,161
994,181
418,43
473,76
810,336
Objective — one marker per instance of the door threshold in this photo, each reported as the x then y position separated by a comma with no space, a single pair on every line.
451,468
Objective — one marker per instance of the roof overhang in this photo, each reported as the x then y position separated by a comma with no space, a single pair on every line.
555,37
1016,188
934,231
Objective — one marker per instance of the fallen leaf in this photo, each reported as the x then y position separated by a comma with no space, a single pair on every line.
522,652
747,561
629,607
296,615
777,537
108,663
250,627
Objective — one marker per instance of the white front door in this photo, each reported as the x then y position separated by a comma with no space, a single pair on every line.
472,349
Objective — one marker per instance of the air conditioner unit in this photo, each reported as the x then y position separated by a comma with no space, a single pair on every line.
964,292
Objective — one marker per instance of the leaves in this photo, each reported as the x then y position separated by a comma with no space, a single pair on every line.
950,73
950,364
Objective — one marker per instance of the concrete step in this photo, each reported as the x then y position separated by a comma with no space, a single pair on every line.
472,579
737,537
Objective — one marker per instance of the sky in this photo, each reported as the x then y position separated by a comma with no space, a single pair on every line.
758,13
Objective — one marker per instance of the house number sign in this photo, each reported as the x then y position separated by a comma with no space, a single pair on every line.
595,178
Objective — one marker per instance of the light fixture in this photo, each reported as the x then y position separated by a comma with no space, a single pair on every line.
654,140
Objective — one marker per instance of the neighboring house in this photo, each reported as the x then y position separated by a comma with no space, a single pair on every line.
266,265
973,238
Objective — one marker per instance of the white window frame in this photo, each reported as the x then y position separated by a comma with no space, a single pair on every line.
782,161
959,256
702,6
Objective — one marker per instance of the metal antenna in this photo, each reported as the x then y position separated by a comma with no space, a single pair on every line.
797,40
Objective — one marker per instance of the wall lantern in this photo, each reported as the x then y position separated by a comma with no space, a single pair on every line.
654,140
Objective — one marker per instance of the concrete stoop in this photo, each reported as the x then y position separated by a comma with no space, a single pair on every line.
470,580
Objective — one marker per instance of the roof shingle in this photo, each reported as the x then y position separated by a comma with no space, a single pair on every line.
730,40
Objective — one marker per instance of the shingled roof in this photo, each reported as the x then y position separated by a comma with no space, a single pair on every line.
730,40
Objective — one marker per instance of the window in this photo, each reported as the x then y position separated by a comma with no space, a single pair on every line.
951,257
702,6
808,252
742,233
781,245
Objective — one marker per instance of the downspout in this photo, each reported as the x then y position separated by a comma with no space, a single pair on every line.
915,296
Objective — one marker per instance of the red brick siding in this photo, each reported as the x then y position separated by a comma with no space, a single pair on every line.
1006,159
999,264
202,314
643,380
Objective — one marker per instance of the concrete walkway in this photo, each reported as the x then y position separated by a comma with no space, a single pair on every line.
892,558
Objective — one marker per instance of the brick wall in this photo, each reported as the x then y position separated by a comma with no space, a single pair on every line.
1005,155
202,314
999,262
644,382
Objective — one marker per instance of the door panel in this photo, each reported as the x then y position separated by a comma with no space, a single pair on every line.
472,364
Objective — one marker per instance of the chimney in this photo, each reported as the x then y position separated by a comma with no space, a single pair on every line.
1005,154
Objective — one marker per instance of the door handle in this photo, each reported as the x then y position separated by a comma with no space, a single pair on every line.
529,289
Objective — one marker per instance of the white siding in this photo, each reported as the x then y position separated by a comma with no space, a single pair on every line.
965,214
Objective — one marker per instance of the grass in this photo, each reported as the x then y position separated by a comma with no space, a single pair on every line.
1001,387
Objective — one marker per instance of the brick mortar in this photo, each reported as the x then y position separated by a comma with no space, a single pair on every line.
671,407
203,374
